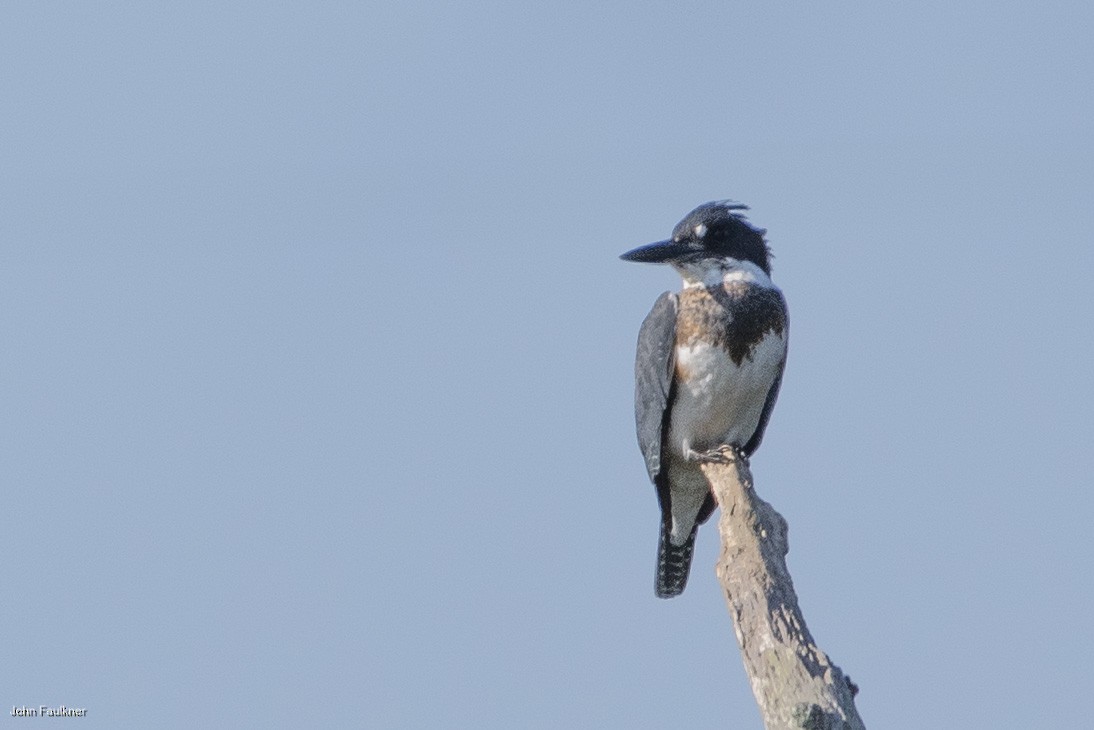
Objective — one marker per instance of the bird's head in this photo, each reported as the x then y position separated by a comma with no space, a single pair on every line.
713,235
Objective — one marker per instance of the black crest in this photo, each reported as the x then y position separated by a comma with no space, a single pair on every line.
722,229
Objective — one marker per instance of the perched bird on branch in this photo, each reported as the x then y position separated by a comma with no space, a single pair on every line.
709,365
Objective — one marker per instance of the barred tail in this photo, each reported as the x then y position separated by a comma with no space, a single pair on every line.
673,563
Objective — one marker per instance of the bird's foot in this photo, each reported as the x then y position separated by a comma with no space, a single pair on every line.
724,454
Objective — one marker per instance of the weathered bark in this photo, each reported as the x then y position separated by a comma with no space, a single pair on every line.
794,683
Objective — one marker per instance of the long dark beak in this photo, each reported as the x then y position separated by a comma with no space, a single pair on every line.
660,252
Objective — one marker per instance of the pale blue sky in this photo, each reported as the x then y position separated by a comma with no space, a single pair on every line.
317,356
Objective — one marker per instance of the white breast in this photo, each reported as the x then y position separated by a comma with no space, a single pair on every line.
718,401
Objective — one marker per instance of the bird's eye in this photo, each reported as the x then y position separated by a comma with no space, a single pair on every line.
699,230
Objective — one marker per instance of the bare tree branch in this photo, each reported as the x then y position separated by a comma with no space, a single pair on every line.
795,684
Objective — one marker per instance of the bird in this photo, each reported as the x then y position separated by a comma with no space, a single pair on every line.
708,368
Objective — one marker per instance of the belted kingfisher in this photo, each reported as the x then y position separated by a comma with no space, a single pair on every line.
709,365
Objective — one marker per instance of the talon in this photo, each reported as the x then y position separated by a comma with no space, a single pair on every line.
725,454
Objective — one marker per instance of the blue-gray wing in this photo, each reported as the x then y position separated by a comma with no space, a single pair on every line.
773,391
765,414
653,369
